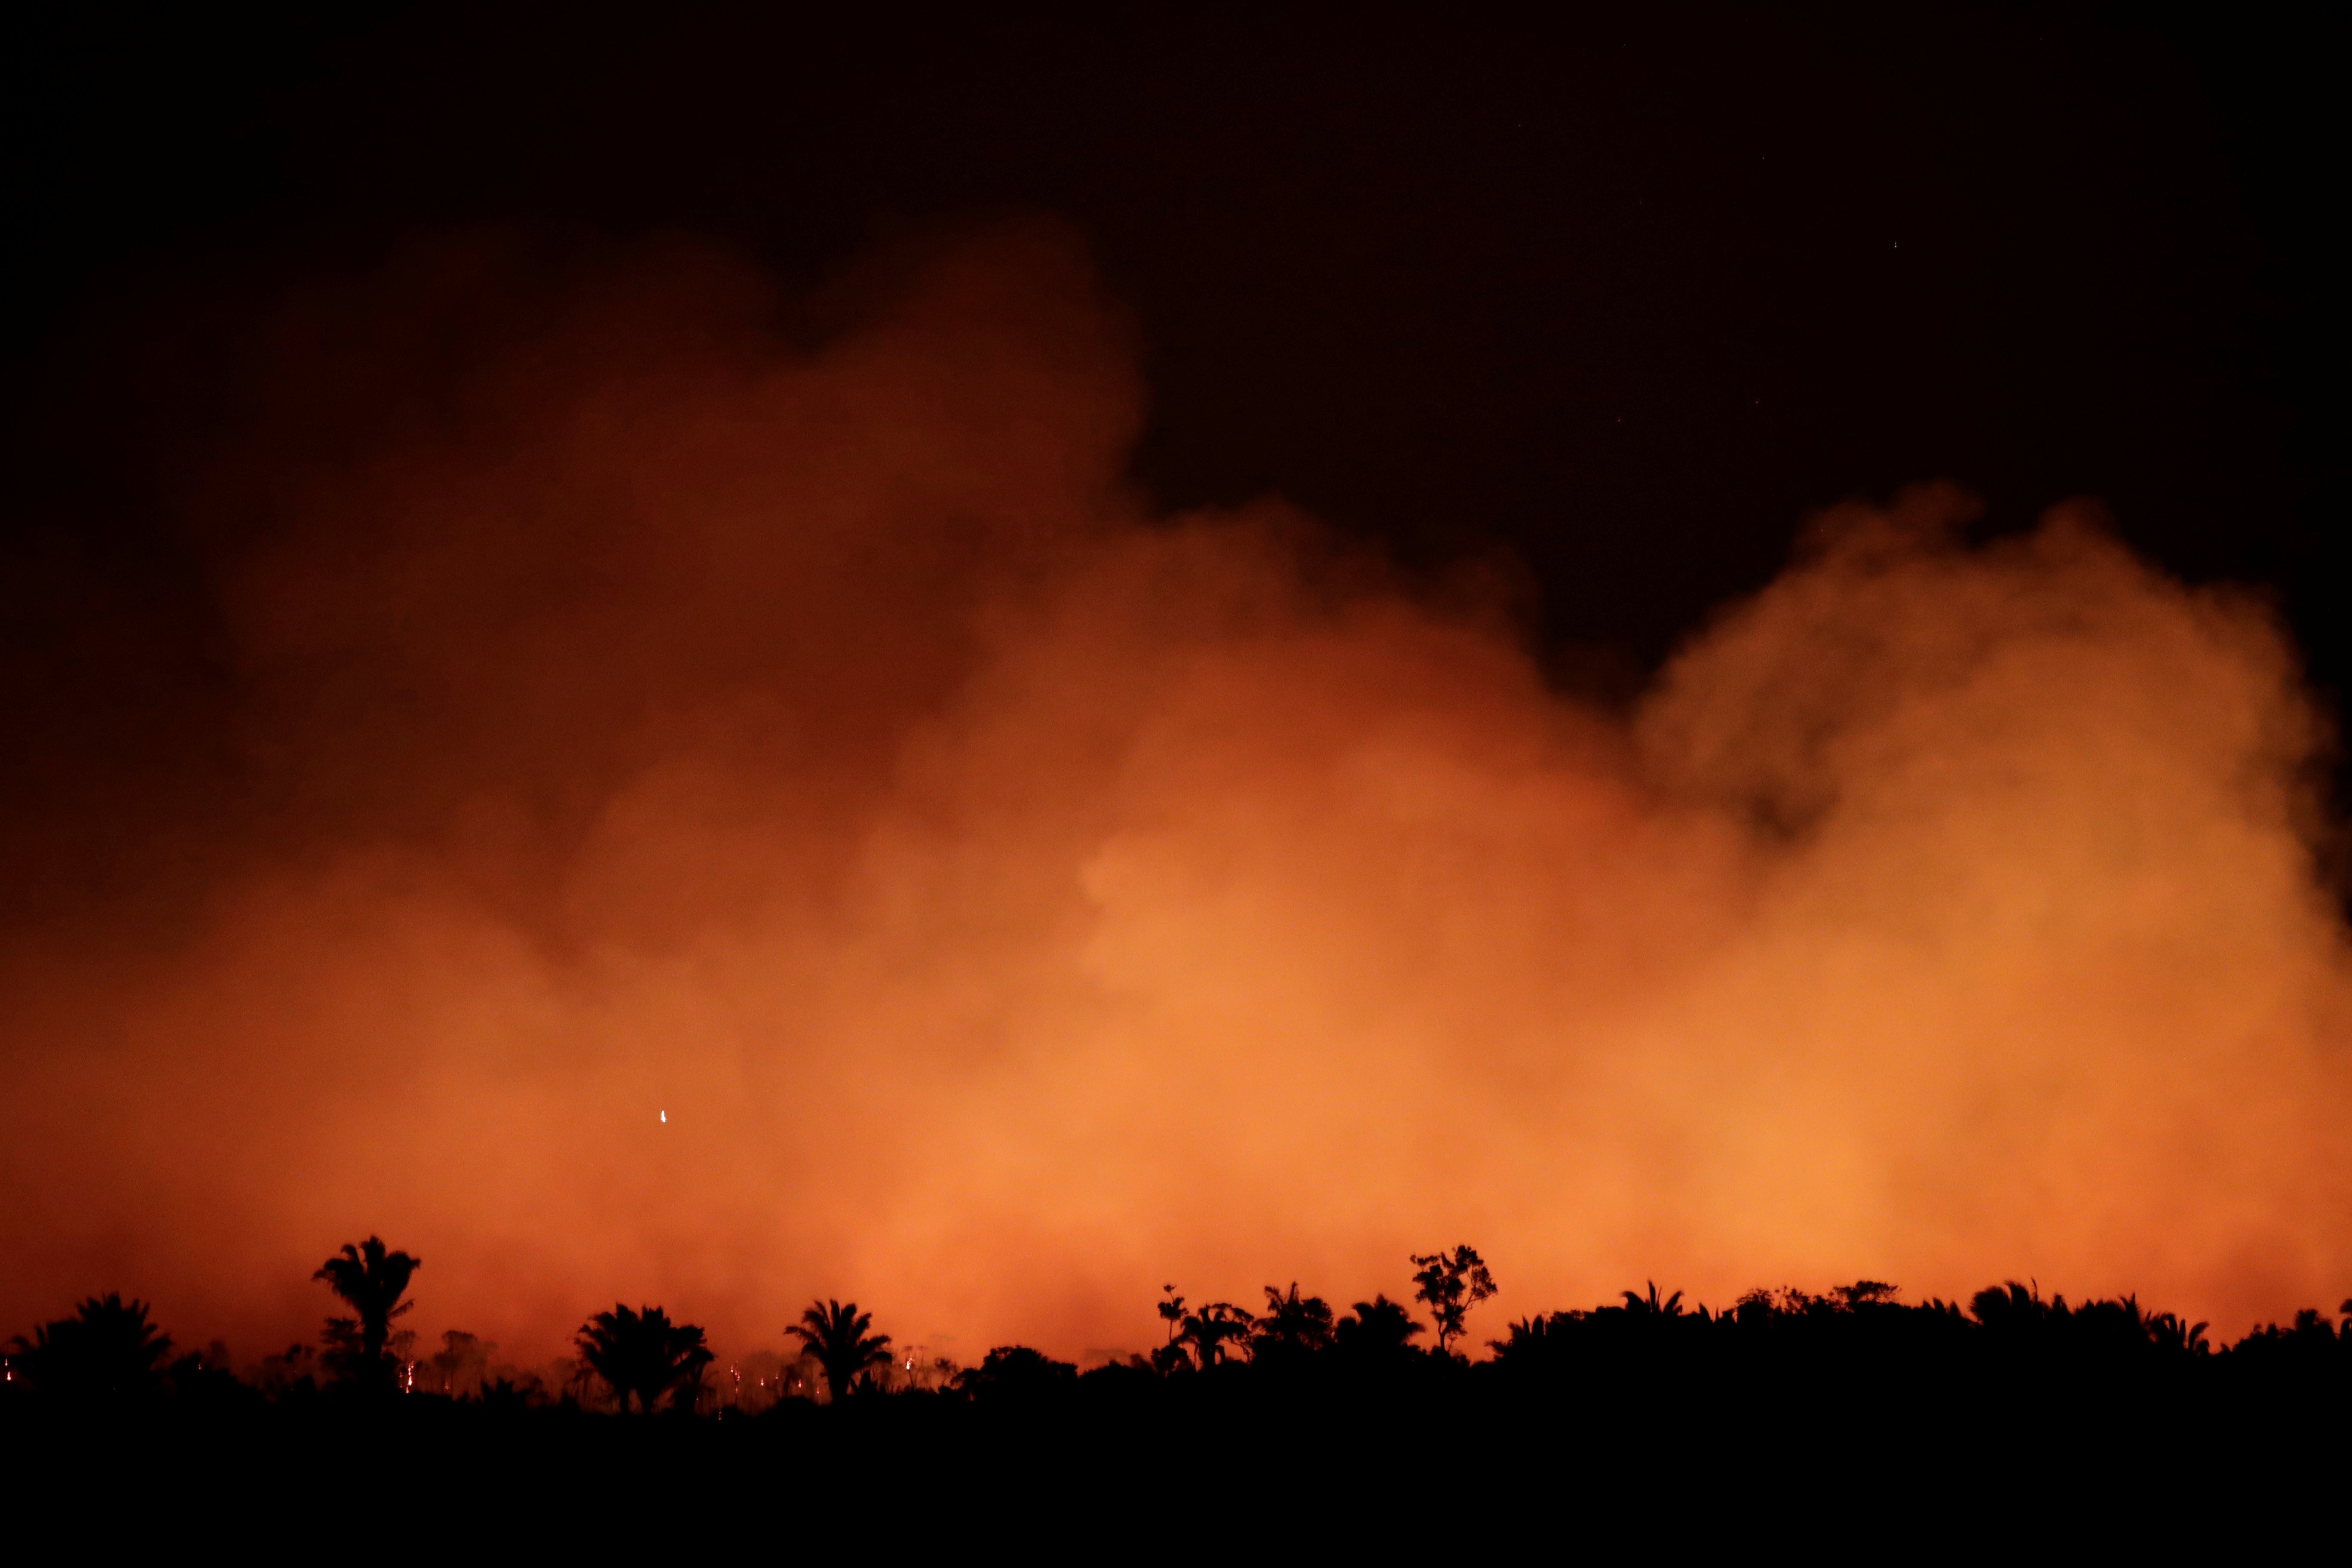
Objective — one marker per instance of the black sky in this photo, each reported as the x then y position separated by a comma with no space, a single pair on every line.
1627,299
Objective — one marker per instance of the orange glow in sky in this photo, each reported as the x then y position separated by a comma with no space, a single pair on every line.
756,807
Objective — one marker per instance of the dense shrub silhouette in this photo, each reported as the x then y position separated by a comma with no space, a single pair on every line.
1017,1374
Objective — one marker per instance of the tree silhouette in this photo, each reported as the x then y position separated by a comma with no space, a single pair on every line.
1016,1373
1533,1343
1451,1284
1210,1330
2172,1333
462,1358
203,1380
503,1393
645,1354
834,1332
371,1281
1171,1359
1292,1324
1171,1312
1860,1293
2010,1308
108,1351
1640,1306
1379,1328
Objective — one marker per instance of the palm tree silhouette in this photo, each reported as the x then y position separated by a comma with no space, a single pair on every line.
1998,1303
645,1354
1649,1306
1208,1330
107,1351
1377,1328
834,1332
2168,1332
372,1281
1293,1324
1171,1312
1534,1341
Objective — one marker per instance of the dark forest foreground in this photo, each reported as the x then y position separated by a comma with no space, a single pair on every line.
1679,1426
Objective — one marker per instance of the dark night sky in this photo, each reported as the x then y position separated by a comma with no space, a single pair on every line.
1628,300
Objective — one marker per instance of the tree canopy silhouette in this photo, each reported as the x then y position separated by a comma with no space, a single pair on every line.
1646,1345
1378,1329
1171,1312
372,1281
1216,1325
462,1359
645,1354
1641,1305
2170,1333
108,1352
1450,1283
834,1332
1291,1325
1017,1373
1172,1357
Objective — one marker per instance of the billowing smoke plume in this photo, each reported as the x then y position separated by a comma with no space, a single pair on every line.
739,801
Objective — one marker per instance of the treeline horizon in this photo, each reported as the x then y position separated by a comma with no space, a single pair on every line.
109,1355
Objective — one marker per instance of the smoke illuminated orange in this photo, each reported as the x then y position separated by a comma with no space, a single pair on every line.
759,809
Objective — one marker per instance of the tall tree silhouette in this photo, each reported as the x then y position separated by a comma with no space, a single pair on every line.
372,1281
107,1352
1170,1359
645,1354
834,1332
462,1359
1450,1284
1171,1312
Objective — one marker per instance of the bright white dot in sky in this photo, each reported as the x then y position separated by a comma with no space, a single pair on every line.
664,1116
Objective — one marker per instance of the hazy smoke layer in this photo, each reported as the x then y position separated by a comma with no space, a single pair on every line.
653,697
